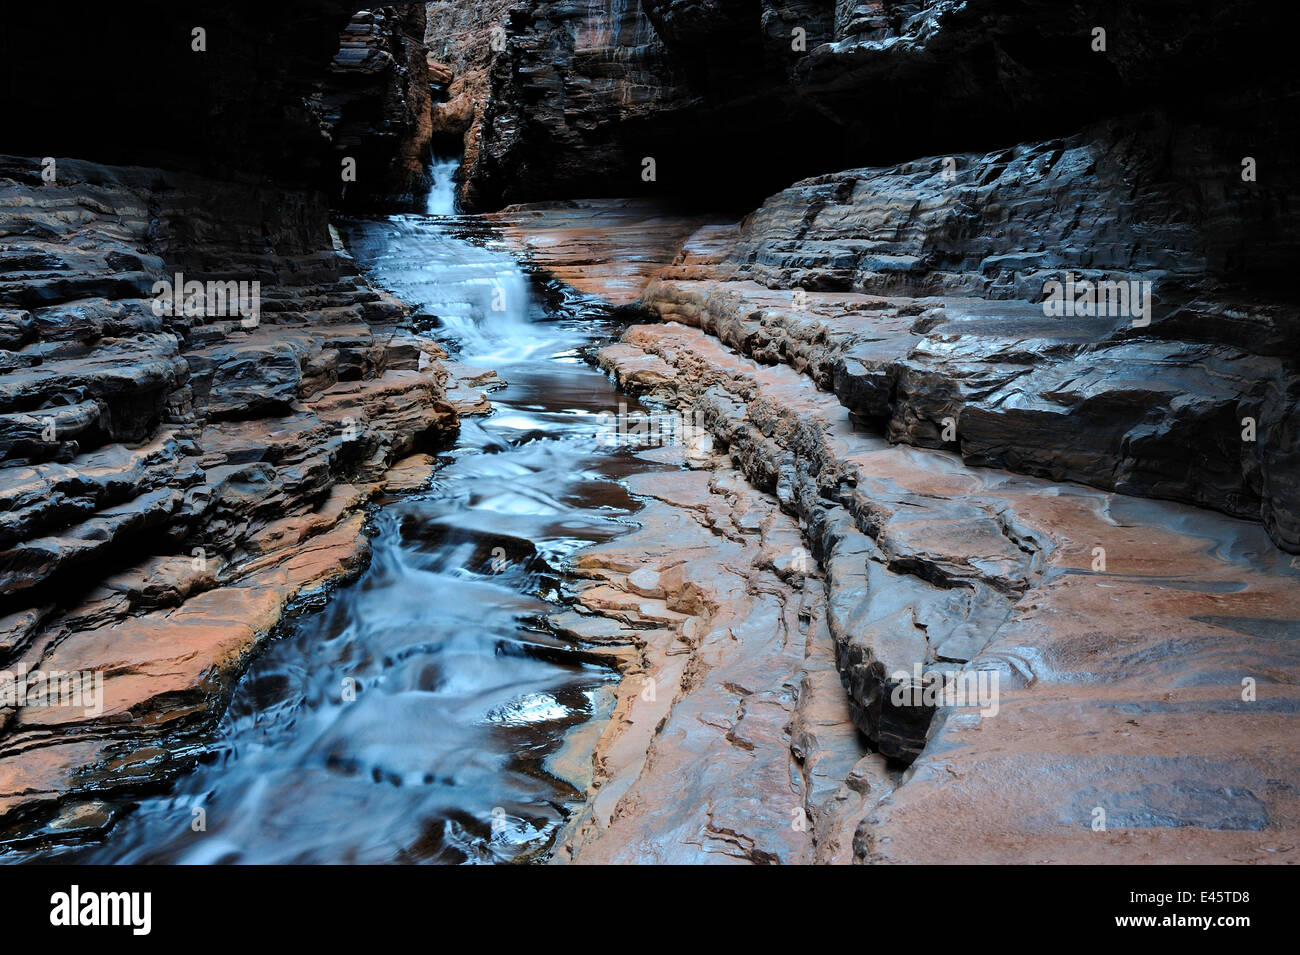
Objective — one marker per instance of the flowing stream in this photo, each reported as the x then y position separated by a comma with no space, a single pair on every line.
416,715
442,191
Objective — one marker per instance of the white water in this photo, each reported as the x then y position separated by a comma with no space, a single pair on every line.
477,292
456,695
442,197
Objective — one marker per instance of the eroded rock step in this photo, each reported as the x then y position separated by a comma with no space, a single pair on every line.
930,562
169,484
1120,689
729,738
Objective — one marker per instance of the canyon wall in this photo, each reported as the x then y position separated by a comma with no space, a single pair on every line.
840,333
1120,635
199,393
176,467
375,106
278,91
734,100
1193,400
1157,153
578,97
463,41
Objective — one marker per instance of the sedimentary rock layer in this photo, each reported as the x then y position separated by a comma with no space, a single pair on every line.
375,104
168,482
734,101
463,41
899,290
610,249
1142,650
728,740
931,568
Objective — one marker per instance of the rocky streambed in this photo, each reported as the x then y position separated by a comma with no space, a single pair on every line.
579,640
904,466
420,712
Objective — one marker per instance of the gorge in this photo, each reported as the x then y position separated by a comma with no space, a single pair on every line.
363,578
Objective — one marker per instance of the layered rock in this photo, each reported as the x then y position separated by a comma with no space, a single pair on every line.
573,104
609,249
1112,625
845,343
733,101
728,740
285,91
376,104
917,293
914,293
463,40
1091,661
172,477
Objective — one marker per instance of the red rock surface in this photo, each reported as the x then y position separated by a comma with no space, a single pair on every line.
216,472
1120,689
1120,685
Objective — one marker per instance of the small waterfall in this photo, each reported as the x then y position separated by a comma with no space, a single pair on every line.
481,297
442,193
414,717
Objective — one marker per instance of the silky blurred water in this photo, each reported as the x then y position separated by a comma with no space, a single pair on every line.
410,718
442,192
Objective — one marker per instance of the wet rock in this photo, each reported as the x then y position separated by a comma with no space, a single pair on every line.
910,293
695,762
939,571
904,574
171,482
468,389
606,248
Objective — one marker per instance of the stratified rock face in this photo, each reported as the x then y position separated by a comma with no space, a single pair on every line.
576,102
1068,682
726,755
1138,197
1188,390
170,478
284,90
734,100
463,40
376,105
1092,645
